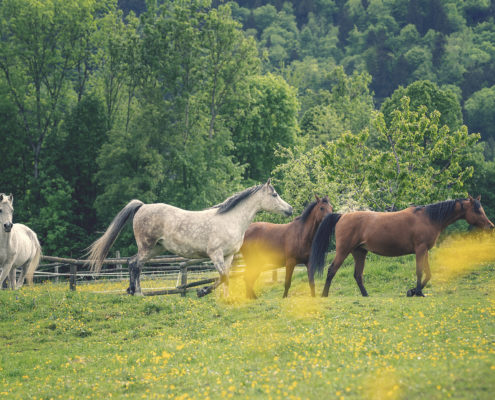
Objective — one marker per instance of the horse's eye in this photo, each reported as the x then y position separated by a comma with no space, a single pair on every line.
322,208
275,194
1,211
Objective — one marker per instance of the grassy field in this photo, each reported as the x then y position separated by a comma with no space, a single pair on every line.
60,344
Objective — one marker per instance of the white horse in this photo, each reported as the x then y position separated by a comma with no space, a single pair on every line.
19,246
217,232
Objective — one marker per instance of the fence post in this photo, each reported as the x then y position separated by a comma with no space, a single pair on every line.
56,271
72,278
183,278
119,266
274,275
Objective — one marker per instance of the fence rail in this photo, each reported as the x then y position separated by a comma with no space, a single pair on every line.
76,271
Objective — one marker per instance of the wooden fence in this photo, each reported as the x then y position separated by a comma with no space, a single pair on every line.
77,271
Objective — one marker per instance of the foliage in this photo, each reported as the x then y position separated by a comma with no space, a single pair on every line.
480,116
42,42
189,102
265,117
417,161
428,94
345,104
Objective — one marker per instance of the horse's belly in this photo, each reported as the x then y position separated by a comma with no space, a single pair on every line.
184,249
390,249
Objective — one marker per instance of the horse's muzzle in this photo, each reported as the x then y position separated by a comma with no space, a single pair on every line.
8,227
288,213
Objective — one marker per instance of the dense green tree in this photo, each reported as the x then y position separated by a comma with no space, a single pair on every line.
426,93
42,44
346,104
178,145
480,116
266,116
83,134
419,162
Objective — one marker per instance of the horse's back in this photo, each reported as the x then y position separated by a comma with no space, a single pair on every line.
384,233
179,231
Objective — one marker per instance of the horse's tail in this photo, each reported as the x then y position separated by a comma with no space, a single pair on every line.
319,247
35,261
99,249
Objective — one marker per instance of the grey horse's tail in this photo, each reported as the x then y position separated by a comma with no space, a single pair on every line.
99,249
35,261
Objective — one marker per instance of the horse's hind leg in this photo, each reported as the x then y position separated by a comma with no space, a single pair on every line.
20,280
421,262
359,260
332,270
132,263
289,270
427,272
251,273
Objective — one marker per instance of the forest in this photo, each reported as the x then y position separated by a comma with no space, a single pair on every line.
378,104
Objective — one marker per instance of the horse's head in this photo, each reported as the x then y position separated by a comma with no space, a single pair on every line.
321,209
272,202
6,211
475,215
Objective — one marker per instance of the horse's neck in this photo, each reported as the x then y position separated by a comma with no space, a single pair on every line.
456,216
244,213
308,229
4,242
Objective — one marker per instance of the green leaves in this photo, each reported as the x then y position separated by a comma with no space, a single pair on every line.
415,161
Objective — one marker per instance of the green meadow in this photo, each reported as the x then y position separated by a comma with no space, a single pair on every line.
57,344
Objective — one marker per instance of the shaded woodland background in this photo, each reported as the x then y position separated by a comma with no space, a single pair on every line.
379,104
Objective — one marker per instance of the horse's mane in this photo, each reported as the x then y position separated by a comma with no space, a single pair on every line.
442,210
307,211
235,199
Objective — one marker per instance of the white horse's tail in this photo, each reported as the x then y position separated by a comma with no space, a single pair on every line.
35,261
100,248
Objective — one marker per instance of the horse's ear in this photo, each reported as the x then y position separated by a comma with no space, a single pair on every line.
269,181
1,196
317,198
470,198
11,198
479,197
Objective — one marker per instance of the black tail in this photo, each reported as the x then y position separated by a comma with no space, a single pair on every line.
320,244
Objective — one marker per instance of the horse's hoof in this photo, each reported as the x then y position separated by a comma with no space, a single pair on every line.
420,294
203,291
411,292
130,291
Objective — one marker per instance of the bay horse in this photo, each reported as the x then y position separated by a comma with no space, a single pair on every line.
413,230
216,232
268,245
19,246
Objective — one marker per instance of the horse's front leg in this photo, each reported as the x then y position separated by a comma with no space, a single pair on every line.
5,271
12,275
217,258
421,263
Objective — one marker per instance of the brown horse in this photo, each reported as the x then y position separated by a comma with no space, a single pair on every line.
269,246
410,231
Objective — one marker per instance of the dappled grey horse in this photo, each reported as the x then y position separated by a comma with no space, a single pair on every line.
19,246
216,232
